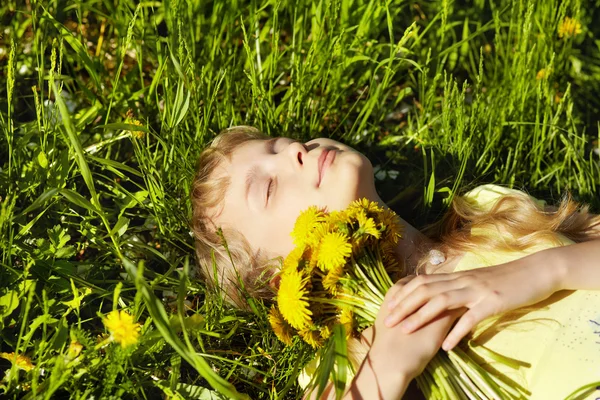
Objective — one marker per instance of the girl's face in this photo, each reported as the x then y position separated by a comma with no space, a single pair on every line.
273,180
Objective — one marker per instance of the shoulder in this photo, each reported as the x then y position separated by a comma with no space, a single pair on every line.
486,196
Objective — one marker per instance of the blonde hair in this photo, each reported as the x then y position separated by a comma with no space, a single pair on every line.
522,221
225,258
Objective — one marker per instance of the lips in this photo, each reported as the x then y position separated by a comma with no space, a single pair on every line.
324,161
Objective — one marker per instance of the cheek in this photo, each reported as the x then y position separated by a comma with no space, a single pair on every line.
354,179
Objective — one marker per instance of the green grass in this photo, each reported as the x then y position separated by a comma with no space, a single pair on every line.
94,209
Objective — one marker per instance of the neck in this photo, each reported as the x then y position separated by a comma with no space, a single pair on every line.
411,246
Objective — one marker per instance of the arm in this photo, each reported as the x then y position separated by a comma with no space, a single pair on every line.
577,265
493,290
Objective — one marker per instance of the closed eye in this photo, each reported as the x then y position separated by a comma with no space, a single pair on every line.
270,189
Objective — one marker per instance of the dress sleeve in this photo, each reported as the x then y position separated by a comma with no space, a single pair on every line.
485,196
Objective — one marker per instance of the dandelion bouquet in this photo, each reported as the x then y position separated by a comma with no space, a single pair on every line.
337,275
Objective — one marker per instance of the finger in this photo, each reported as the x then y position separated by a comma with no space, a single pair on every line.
418,281
444,301
395,289
462,328
418,298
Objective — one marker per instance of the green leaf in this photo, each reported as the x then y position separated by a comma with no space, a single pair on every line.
180,106
78,200
340,375
48,194
75,144
42,160
121,226
9,302
115,164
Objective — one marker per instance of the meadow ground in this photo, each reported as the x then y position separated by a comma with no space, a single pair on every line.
106,104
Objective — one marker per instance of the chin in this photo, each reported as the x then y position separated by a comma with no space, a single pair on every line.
354,180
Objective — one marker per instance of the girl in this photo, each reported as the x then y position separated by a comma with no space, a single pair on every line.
253,187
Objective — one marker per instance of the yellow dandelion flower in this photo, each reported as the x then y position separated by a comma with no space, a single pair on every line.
347,320
325,332
335,217
569,27
339,220
333,250
294,259
366,225
21,361
282,329
331,280
310,335
312,254
305,224
292,299
390,221
122,328
370,207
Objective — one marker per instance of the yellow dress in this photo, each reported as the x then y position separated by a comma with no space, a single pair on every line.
560,338
557,342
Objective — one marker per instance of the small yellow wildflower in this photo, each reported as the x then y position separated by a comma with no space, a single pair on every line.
569,27
292,299
137,134
305,224
542,73
134,121
333,251
21,361
74,350
122,328
557,97
282,329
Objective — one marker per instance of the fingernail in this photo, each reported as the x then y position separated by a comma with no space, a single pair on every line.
391,304
388,320
445,346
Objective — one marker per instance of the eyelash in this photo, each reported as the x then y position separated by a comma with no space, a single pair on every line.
270,188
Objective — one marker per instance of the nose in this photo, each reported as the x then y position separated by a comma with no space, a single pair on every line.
297,152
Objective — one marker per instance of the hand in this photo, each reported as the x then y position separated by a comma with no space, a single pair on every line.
484,292
397,352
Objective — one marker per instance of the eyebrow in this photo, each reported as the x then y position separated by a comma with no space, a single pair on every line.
252,172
